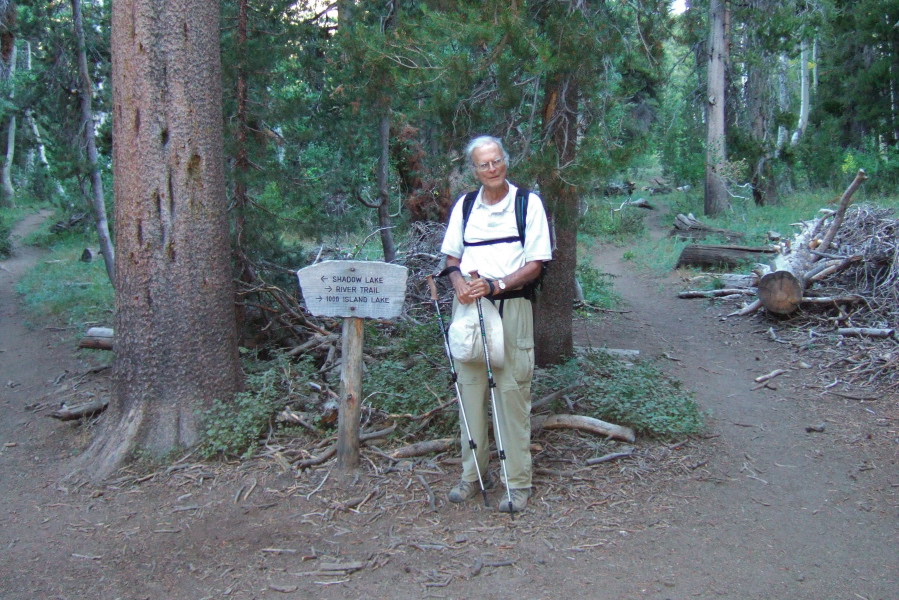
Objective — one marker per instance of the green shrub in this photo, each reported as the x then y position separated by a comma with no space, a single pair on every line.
635,394
231,428
598,288
602,219
5,242
412,373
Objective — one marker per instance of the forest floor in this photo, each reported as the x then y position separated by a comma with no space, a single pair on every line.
756,507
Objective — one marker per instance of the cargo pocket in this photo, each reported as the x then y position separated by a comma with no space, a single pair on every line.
524,360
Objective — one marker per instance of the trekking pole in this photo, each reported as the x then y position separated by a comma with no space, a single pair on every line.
455,378
491,384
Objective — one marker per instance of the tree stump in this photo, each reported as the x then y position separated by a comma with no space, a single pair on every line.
780,292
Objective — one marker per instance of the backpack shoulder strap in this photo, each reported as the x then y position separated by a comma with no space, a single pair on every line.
467,205
521,211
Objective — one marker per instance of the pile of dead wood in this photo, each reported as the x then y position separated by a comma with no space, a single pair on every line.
837,278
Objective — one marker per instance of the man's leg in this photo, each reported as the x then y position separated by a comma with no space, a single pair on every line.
513,391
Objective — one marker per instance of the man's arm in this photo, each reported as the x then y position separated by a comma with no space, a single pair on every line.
520,278
462,288
480,288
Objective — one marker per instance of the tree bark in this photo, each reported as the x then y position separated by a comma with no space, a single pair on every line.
98,202
716,200
553,310
176,339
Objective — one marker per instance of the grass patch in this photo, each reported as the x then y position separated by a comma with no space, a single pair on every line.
603,219
656,256
635,394
8,218
598,287
62,290
5,232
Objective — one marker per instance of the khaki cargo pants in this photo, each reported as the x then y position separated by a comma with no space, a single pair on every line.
513,398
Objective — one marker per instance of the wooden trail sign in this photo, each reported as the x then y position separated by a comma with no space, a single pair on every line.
354,290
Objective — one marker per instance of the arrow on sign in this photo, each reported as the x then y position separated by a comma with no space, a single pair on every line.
319,298
328,289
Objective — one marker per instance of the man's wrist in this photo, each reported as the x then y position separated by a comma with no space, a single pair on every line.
490,283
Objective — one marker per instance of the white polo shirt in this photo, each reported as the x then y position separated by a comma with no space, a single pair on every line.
491,222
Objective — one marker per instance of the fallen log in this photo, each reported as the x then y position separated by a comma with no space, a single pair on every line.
713,293
608,457
689,227
781,291
97,338
709,256
81,410
851,299
426,447
865,332
641,203
89,254
583,423
770,375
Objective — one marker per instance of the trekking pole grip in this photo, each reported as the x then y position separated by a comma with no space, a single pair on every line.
433,287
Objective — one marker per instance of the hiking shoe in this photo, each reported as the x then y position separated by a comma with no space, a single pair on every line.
469,489
519,500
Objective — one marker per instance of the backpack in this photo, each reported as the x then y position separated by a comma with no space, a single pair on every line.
521,211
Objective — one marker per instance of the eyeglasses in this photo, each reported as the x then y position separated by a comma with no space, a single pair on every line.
493,164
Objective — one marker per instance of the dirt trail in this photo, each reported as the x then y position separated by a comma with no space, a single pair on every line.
758,508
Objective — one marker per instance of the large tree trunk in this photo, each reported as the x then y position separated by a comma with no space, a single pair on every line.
7,70
245,271
173,269
716,149
383,186
553,335
9,192
98,202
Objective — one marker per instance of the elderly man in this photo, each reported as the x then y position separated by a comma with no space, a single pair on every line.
505,239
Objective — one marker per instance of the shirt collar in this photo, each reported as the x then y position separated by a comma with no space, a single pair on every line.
502,206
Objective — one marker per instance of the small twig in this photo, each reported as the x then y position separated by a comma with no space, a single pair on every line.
431,501
324,479
608,457
770,375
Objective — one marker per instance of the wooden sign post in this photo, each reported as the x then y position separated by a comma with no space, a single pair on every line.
353,290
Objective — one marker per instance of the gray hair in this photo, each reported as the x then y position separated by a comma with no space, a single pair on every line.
481,141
